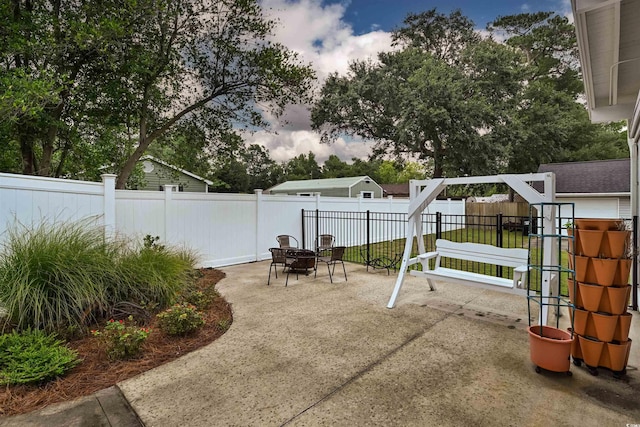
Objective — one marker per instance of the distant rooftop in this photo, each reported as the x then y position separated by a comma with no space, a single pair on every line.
598,176
319,184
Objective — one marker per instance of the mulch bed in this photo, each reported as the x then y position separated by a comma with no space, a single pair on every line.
97,372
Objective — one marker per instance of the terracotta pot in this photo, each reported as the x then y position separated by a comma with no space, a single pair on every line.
605,270
605,325
590,242
602,224
583,268
622,327
580,320
615,355
577,246
591,295
574,293
550,348
615,299
591,350
576,352
615,243
622,273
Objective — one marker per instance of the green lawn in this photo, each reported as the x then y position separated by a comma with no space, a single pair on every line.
393,249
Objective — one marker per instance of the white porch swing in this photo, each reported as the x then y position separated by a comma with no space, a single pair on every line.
423,192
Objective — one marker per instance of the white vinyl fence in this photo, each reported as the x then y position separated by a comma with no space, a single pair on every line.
223,229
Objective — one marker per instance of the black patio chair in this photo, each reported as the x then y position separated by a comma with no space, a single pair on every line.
278,257
286,241
323,242
331,257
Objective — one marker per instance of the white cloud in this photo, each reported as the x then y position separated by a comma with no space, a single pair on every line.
286,145
318,34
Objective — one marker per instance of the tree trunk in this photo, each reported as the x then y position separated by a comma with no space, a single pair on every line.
28,156
130,164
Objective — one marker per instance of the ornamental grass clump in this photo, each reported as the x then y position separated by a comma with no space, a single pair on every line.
122,339
52,275
33,356
180,319
65,276
153,275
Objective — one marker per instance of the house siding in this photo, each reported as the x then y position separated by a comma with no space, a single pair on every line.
624,207
162,175
593,207
363,186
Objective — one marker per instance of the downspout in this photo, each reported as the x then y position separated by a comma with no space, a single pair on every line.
633,154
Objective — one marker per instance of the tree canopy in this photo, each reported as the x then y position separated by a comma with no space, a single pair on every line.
464,105
123,74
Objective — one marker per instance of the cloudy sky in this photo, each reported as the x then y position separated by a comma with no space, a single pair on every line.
329,34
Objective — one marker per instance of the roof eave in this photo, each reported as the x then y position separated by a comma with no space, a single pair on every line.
581,195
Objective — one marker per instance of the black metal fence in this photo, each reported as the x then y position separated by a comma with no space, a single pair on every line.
377,239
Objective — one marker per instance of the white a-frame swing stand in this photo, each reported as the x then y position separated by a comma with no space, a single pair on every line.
423,192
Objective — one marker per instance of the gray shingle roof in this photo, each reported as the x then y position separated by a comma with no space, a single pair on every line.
319,184
598,176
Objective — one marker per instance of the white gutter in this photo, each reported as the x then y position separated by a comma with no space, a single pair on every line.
580,195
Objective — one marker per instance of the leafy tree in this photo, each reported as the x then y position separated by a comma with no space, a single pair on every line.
48,52
335,168
411,170
444,37
368,168
388,172
302,167
430,100
548,42
127,72
263,171
546,124
209,62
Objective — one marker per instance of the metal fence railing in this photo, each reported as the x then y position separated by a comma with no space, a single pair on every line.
377,239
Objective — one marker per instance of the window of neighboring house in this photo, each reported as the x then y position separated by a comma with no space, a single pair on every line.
161,187
304,194
367,194
180,187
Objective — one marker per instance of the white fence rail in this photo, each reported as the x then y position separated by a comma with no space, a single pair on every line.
224,229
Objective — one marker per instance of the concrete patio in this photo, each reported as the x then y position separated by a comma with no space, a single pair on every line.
316,353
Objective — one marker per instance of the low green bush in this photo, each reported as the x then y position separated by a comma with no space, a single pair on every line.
180,319
122,339
32,356
202,299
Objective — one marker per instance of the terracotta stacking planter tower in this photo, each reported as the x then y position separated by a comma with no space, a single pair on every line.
601,295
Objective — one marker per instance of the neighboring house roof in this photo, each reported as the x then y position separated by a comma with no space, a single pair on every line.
396,190
594,177
192,175
314,185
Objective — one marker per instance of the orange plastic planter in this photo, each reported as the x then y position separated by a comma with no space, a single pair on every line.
550,348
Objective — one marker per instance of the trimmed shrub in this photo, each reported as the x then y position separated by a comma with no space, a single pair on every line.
33,356
180,319
122,339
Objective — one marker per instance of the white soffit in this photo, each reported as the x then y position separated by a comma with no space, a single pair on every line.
608,33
